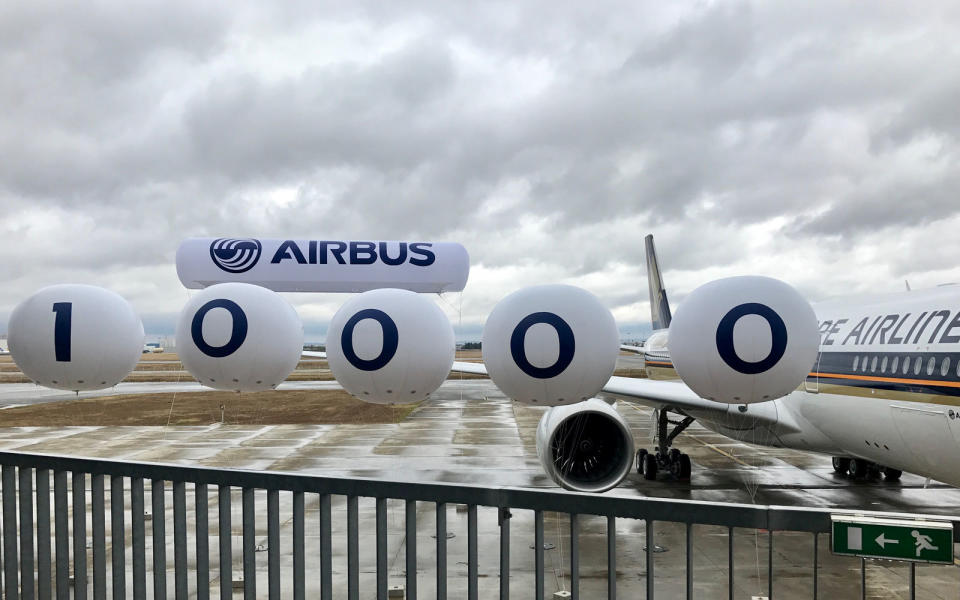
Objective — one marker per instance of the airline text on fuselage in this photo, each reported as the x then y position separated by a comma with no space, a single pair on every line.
926,327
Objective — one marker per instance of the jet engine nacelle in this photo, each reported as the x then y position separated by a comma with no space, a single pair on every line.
744,339
390,346
585,447
550,345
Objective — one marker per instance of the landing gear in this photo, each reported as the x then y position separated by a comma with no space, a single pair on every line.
841,465
858,468
649,467
665,459
891,474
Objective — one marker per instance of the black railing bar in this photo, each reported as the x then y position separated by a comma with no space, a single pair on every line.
503,515
180,540
118,565
43,535
472,561
273,544
411,551
99,534
730,590
650,555
383,565
299,550
441,509
574,556
25,491
326,549
201,505
249,520
538,554
816,563
689,561
79,485
62,534
138,538
225,539
158,506
353,548
10,573
770,564
611,558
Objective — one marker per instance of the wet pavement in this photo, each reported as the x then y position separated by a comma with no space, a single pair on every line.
469,433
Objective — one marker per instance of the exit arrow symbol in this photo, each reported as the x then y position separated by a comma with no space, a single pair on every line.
882,541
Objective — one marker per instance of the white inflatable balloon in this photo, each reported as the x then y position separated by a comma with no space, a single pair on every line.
550,345
390,346
744,339
238,336
75,337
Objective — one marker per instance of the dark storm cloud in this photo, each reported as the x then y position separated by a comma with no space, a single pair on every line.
548,138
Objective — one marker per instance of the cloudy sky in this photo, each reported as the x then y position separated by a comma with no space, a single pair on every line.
813,141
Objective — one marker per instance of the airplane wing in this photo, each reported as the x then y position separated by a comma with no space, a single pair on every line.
658,394
637,349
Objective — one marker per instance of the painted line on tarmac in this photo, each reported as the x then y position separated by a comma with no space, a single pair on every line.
719,451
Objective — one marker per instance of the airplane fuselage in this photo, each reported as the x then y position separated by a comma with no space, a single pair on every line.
885,388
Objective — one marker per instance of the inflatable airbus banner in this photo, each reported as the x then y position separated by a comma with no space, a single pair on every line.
324,265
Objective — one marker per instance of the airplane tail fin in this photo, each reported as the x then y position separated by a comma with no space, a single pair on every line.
659,306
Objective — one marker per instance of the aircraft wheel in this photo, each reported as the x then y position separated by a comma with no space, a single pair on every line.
685,468
890,474
674,455
642,452
858,468
841,465
649,467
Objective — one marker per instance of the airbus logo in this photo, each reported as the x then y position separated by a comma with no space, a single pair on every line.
235,255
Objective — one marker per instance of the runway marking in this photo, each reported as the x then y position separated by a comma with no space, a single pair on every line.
719,451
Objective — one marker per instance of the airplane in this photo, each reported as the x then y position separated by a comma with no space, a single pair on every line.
882,397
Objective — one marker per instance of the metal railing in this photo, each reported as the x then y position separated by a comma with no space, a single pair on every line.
32,567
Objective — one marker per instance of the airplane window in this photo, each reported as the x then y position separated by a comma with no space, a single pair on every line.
945,367
856,362
916,365
896,361
958,368
883,365
863,364
930,365
906,364
873,365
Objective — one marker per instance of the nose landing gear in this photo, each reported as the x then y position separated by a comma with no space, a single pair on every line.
664,459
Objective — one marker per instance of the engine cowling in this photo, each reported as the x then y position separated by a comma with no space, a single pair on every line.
741,340
585,447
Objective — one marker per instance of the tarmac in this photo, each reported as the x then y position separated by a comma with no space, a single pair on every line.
468,432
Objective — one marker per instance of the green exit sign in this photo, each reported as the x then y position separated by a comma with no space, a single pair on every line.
895,539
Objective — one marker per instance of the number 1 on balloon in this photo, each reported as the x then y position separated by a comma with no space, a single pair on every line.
61,330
